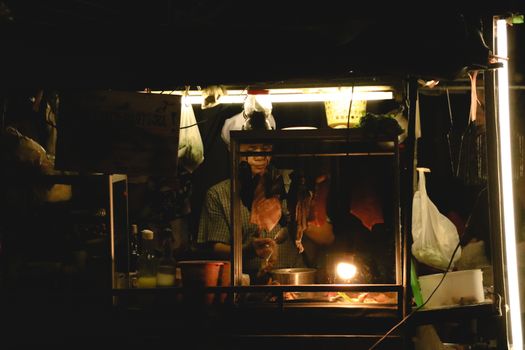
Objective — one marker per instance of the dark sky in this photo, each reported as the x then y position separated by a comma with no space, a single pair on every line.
173,43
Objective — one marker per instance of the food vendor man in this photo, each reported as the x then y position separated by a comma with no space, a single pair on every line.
265,238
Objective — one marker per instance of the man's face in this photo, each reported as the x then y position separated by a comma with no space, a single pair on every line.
258,163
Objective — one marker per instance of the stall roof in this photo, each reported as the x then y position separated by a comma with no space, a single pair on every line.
169,44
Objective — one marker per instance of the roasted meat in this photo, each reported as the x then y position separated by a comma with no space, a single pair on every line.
317,215
299,200
265,212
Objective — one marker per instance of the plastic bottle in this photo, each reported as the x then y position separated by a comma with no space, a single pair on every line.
133,255
133,248
167,266
147,262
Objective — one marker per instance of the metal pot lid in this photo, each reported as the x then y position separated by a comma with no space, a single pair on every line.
293,270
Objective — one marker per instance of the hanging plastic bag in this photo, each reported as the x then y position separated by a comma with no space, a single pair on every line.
435,237
191,148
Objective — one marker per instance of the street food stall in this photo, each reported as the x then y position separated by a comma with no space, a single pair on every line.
277,207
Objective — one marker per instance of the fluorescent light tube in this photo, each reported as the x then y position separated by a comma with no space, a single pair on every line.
298,95
516,336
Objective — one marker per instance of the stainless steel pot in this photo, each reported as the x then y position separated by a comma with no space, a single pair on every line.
294,276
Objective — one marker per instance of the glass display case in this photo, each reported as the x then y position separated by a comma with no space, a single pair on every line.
342,184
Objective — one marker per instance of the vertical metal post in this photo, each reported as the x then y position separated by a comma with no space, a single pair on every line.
116,230
111,217
494,183
408,170
400,250
236,225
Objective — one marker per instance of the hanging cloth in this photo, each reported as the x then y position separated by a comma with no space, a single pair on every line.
472,152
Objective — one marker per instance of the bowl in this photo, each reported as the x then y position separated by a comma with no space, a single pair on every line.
294,276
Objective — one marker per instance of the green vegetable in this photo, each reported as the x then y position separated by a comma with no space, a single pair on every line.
380,124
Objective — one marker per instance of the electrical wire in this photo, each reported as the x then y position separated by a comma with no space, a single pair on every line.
452,165
348,120
500,301
438,285
350,108
192,125
419,307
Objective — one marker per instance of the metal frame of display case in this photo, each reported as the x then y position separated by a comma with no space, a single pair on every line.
118,225
328,142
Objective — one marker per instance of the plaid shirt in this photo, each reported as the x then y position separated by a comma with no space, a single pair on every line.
215,226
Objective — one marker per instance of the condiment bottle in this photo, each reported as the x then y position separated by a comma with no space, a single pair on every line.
147,263
167,265
134,252
134,248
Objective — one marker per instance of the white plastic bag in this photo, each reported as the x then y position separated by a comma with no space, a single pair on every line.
435,237
191,148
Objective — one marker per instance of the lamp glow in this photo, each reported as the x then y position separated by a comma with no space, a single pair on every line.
346,271
297,95
516,335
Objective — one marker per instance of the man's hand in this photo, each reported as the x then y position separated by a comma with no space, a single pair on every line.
263,247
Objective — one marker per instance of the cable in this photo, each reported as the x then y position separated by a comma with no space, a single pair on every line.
192,125
348,121
350,108
500,301
449,130
439,284
419,307
467,224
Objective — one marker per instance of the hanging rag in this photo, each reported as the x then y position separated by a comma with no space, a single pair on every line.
471,167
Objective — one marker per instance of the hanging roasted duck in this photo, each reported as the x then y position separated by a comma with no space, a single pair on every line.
299,199
266,211
318,213
307,203
266,207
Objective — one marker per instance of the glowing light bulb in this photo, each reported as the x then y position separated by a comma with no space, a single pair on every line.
346,271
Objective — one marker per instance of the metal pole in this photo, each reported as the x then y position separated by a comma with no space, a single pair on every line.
494,185
408,171
236,225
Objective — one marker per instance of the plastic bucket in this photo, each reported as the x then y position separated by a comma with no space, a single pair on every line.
224,278
197,274
458,288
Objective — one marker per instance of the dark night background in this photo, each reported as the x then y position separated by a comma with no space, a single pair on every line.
123,45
